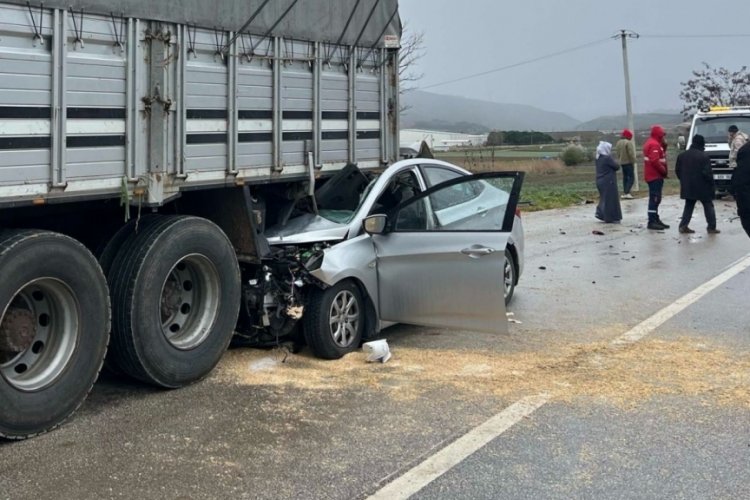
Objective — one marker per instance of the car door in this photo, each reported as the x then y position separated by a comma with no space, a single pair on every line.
434,273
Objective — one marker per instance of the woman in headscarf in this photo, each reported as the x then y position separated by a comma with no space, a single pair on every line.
608,209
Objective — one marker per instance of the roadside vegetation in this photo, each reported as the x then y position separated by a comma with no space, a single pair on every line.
549,182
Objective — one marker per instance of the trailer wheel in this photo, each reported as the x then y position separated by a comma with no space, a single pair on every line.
105,253
54,325
107,250
334,320
176,296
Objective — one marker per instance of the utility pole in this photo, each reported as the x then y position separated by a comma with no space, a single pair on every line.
624,35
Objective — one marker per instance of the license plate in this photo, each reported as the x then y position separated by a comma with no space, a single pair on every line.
722,177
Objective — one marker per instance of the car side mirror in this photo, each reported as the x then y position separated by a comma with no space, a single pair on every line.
376,224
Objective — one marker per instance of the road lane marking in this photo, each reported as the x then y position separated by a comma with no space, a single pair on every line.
649,325
453,454
441,462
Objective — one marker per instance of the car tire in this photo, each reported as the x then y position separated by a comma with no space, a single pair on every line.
334,320
175,289
510,276
54,329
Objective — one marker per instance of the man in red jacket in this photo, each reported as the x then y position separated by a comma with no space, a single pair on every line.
655,171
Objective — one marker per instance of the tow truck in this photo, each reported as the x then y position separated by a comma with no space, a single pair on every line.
712,123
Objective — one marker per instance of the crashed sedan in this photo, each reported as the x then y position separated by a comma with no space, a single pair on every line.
424,243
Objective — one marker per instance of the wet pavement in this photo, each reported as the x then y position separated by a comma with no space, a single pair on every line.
676,425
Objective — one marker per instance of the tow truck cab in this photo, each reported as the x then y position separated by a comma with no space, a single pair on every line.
712,123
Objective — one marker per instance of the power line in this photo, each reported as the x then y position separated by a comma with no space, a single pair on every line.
725,35
515,65
574,49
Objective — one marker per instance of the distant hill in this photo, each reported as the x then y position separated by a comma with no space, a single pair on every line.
425,108
642,121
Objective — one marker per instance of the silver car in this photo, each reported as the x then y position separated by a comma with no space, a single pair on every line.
426,244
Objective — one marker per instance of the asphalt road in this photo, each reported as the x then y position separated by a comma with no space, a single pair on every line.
665,417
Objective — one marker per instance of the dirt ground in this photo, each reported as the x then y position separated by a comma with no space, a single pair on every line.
623,376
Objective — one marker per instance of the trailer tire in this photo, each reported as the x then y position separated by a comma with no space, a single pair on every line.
54,326
176,295
334,320
106,253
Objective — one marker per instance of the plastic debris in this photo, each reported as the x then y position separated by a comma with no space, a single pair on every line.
377,350
263,365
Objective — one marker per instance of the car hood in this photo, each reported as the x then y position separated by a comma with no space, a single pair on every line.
308,228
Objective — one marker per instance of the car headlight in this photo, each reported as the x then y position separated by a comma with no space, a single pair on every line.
314,263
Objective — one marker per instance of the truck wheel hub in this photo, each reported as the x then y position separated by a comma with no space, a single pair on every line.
17,332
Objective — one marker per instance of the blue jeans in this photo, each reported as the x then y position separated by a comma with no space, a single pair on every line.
654,199
628,177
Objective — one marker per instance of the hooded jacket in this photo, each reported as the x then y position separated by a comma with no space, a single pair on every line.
654,157
625,151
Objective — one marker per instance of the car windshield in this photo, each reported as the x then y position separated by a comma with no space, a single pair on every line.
346,216
714,129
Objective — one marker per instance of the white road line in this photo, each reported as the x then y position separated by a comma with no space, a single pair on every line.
649,325
453,454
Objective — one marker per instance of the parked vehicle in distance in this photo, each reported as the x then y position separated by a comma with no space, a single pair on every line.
425,243
712,123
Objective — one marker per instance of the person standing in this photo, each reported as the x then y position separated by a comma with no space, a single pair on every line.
737,139
608,209
625,153
655,171
740,186
696,184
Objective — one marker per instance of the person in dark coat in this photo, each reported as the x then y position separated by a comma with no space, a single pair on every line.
740,186
608,209
696,184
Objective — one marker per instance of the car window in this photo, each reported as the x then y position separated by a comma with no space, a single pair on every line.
435,175
401,188
457,194
470,204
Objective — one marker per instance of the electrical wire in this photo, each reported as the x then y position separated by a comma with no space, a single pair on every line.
727,35
515,65
574,49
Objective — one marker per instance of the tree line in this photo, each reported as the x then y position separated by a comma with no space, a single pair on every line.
518,138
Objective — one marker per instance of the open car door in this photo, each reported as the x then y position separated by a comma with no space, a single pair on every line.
440,257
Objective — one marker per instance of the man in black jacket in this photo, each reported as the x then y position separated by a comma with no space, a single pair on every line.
740,186
696,184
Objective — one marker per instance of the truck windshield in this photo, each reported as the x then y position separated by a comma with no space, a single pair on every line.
714,128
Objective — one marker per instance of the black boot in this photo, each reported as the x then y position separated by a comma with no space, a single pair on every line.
666,226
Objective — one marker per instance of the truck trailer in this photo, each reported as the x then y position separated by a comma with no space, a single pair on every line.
144,149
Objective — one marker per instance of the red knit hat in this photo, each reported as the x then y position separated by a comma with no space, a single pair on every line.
627,134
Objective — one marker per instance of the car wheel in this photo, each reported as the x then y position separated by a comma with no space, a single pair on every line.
509,276
54,328
334,321
175,296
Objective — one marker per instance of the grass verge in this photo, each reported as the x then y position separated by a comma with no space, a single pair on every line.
550,184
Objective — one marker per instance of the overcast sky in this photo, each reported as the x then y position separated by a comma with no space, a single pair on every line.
470,36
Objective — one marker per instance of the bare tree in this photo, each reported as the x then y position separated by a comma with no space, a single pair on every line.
412,50
715,87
